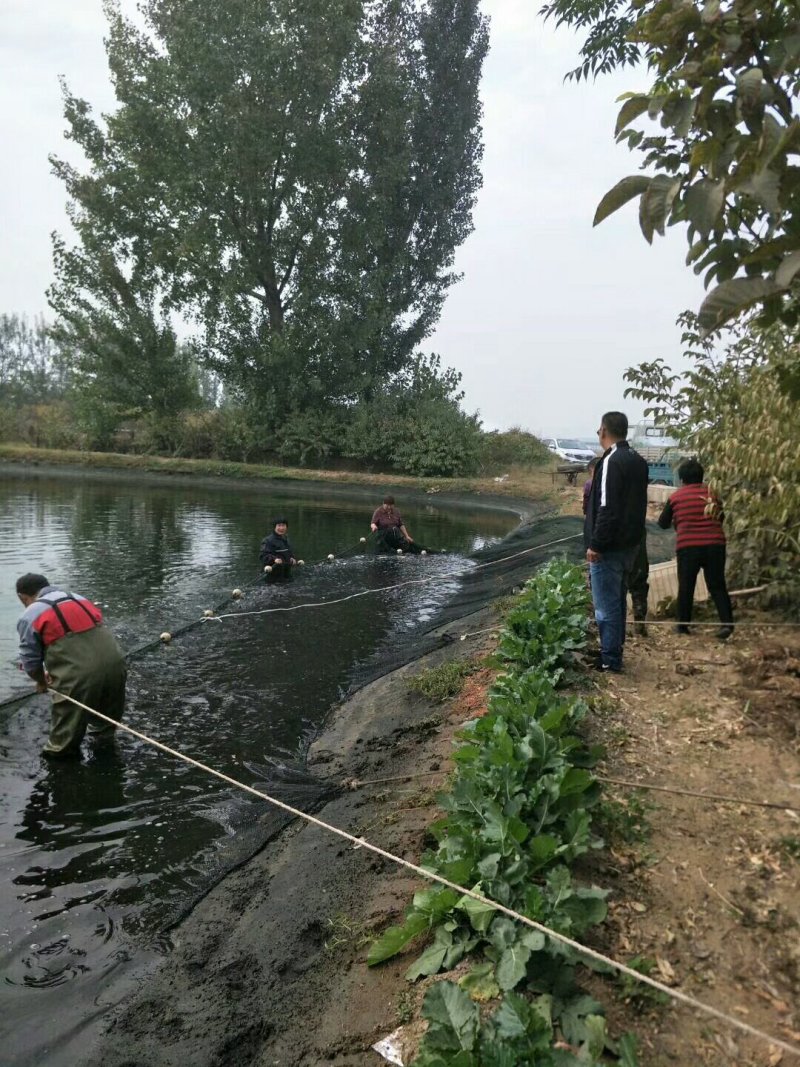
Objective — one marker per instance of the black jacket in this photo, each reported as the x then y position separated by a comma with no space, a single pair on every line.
275,547
617,505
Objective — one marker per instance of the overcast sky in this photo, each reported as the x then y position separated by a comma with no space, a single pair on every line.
549,313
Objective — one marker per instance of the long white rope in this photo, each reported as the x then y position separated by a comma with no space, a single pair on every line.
360,842
388,588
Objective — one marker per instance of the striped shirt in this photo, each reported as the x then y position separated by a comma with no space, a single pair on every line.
52,615
696,514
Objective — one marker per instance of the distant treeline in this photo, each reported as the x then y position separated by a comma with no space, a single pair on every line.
414,424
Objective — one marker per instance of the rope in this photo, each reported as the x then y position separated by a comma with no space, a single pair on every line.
387,588
431,876
718,797
358,783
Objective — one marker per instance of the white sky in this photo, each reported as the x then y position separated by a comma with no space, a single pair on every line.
549,313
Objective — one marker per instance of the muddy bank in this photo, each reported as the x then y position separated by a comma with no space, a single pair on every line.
265,970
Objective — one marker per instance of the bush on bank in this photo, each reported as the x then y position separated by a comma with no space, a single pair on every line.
516,819
436,440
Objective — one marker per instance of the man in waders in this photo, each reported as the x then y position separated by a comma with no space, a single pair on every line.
63,643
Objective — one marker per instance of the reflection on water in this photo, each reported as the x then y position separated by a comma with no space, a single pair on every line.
97,857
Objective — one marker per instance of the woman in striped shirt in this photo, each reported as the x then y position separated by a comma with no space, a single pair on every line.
696,514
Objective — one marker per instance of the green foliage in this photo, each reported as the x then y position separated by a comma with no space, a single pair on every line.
516,817
443,682
623,820
33,367
413,423
520,1031
738,412
725,81
295,178
548,637
500,450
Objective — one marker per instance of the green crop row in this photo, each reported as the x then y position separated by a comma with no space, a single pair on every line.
518,815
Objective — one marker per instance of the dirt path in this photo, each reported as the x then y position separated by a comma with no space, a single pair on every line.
709,895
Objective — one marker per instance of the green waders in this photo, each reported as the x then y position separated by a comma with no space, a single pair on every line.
90,667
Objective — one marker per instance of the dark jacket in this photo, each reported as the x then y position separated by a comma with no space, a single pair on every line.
617,506
275,547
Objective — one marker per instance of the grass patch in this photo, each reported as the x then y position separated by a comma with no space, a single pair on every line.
443,682
344,932
623,821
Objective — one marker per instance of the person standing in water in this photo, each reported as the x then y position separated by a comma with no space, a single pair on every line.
390,528
64,644
276,551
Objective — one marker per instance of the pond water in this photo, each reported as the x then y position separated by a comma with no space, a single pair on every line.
97,857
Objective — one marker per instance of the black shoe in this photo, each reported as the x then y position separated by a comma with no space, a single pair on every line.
598,665
681,628
724,632
641,628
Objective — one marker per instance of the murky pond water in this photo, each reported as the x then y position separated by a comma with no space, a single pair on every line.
96,857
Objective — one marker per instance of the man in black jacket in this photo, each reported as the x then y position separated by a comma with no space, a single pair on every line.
613,531
275,548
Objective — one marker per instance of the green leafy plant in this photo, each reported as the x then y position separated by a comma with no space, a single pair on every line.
517,815
520,1031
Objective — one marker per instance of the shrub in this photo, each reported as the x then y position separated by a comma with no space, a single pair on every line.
500,450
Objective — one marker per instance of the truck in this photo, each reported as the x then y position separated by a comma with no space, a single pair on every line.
662,452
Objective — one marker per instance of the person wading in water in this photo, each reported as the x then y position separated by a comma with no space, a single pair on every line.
390,529
64,643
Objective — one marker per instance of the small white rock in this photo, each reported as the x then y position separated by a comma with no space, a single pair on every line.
424,552
399,551
331,556
268,569
363,540
300,562
166,637
208,613
236,593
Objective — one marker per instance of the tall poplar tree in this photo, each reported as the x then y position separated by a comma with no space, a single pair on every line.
296,175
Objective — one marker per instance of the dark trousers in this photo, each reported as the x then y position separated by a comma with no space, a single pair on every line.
711,560
638,584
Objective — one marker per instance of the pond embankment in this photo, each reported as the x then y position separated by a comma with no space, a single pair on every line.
270,968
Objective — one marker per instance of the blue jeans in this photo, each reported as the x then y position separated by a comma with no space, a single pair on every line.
609,580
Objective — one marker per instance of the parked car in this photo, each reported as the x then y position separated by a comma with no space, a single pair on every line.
569,448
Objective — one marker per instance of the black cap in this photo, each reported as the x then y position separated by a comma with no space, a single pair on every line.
276,522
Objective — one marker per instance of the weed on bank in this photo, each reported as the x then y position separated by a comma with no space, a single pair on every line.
517,818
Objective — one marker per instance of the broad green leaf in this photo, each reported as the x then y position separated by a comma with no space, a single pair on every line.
480,915
732,298
622,192
786,272
513,1017
656,204
575,780
395,938
703,201
595,1035
512,965
633,107
765,187
498,1054
431,960
452,1017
